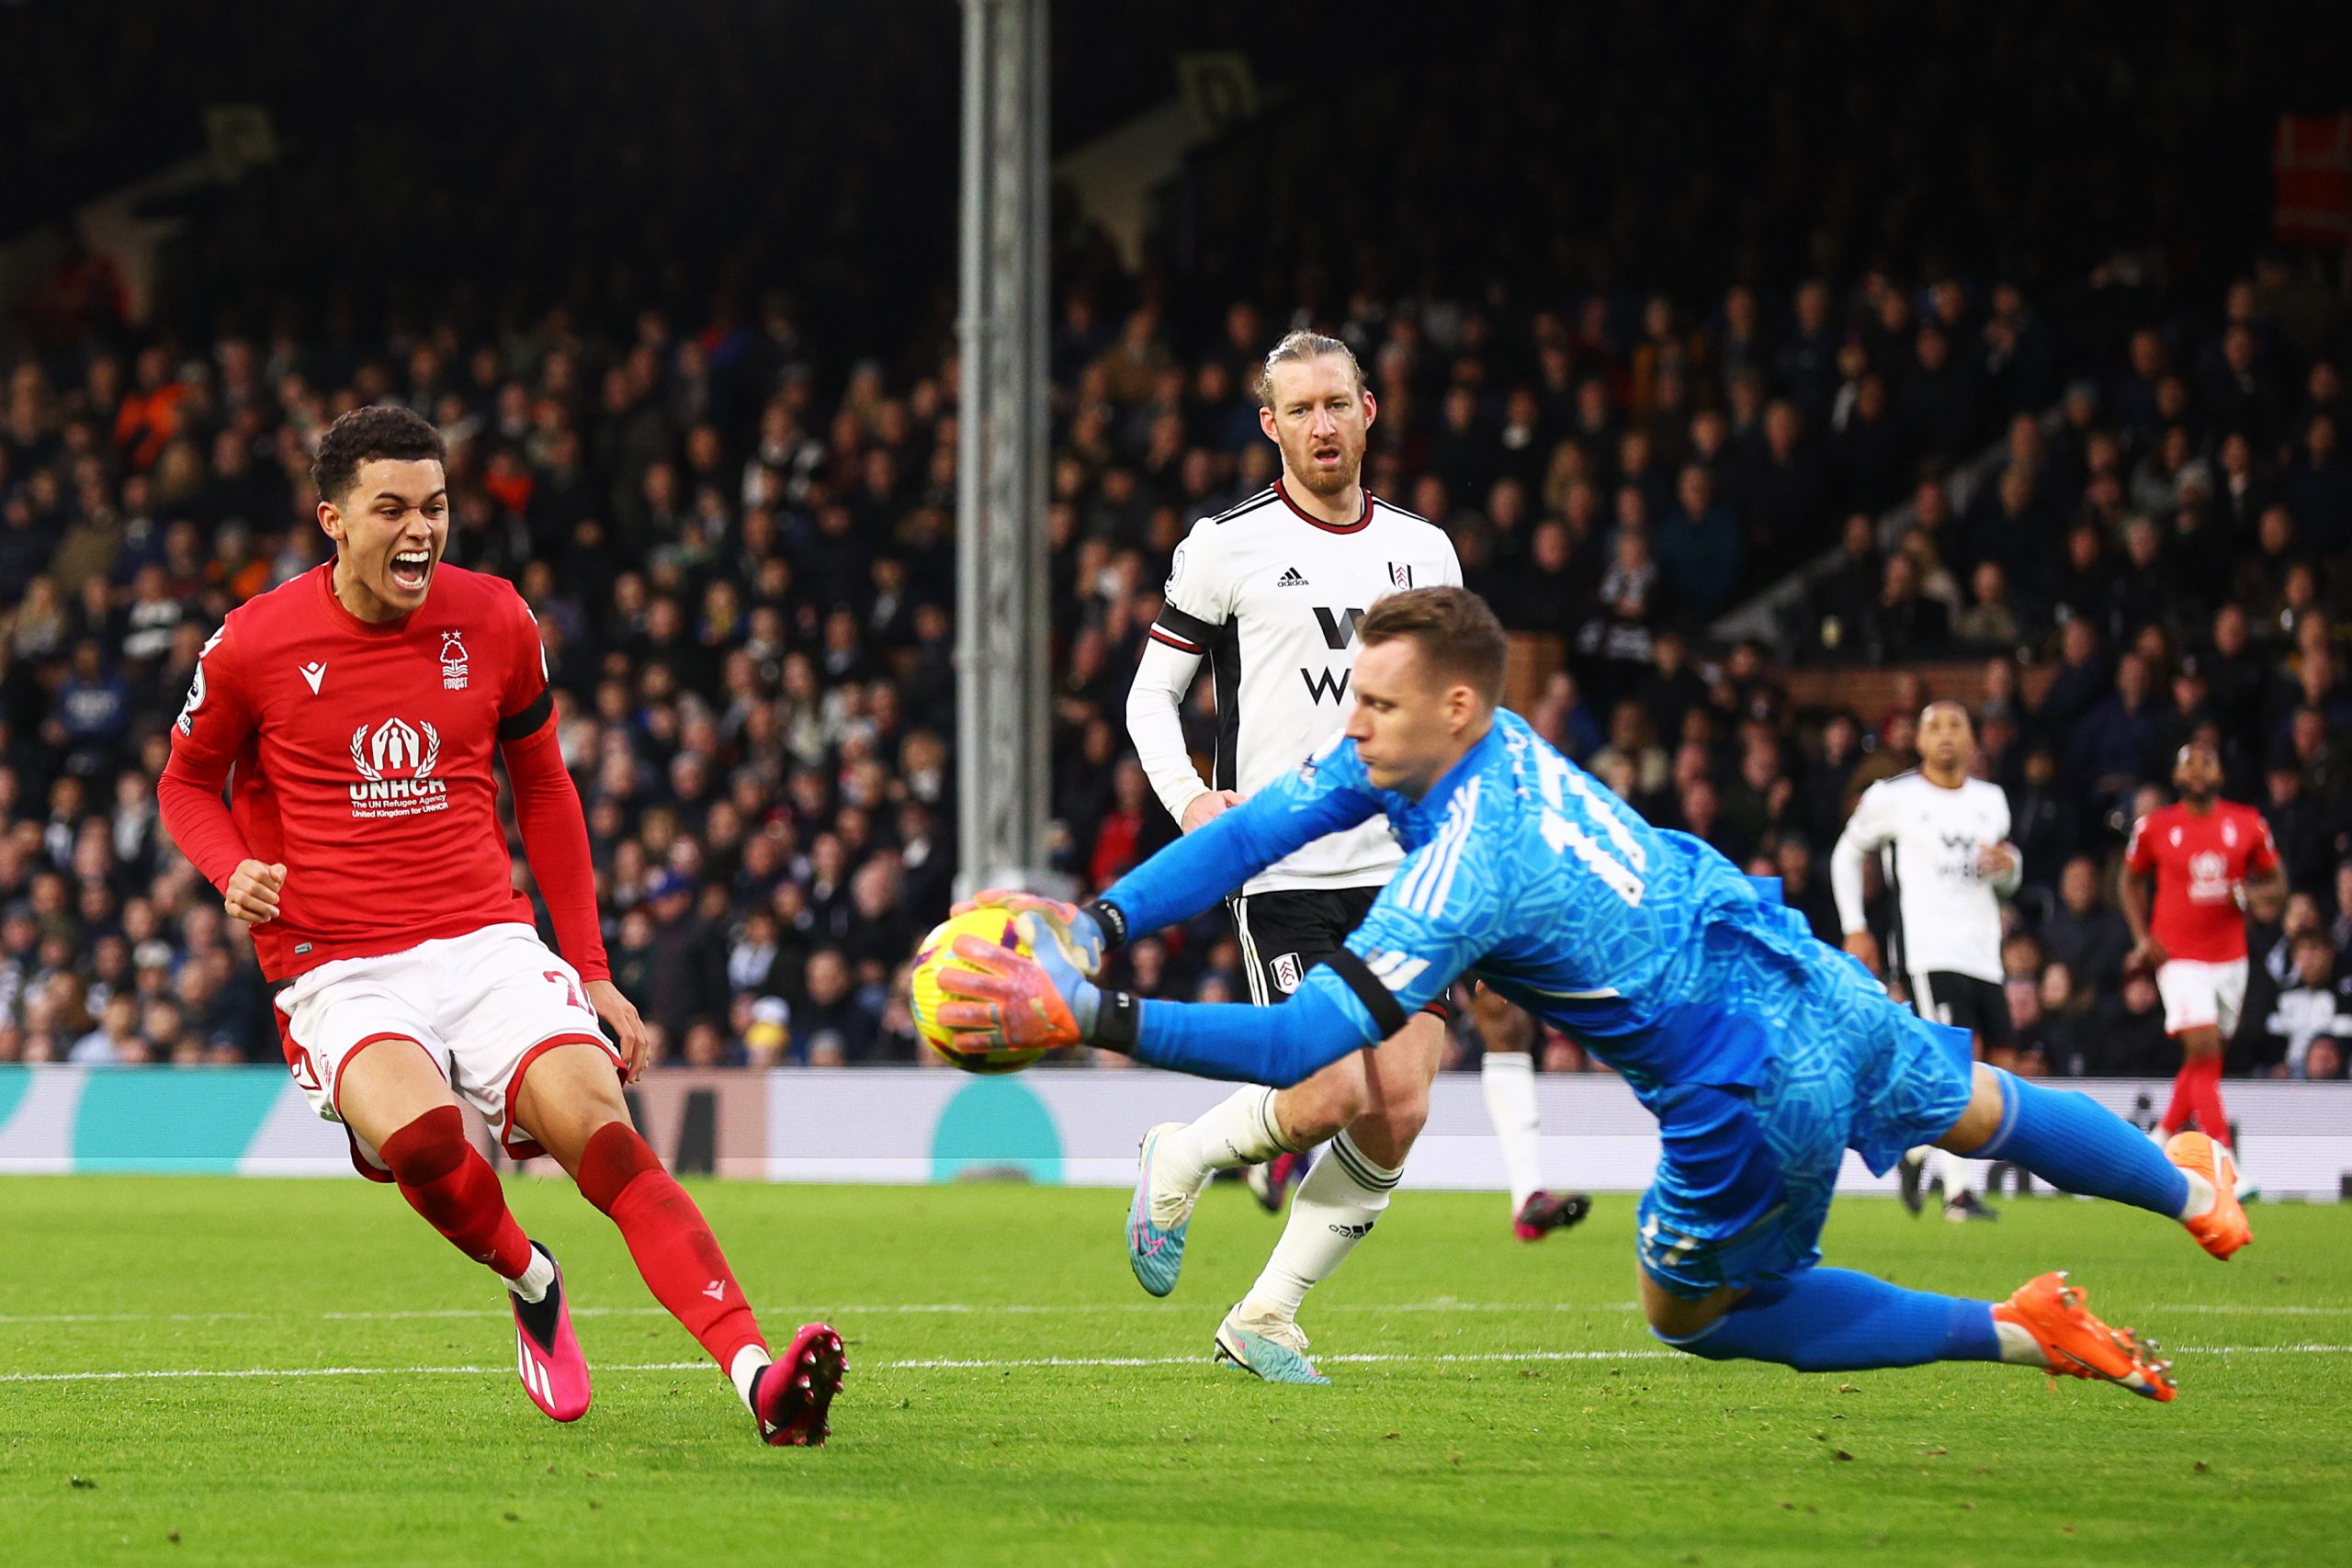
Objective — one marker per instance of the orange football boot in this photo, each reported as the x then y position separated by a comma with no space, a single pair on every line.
2077,1345
2221,1229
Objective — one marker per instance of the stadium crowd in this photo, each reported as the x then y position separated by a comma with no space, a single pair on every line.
740,547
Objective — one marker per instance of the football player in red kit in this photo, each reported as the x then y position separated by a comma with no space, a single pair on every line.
2207,854
352,715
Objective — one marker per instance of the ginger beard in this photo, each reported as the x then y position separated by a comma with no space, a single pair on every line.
1320,421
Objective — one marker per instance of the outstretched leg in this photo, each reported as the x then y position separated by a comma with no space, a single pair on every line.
2078,1145
1729,1250
570,1103
1834,1320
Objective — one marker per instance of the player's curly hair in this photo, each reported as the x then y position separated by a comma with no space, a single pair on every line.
362,435
1457,634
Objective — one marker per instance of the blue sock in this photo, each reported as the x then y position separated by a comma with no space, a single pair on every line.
2078,1145
1834,1320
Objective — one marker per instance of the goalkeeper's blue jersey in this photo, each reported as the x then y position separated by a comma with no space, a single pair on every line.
1525,871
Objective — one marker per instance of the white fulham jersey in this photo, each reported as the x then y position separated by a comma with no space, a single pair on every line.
1947,914
1271,596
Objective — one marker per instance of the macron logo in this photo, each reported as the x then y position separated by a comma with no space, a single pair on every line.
314,673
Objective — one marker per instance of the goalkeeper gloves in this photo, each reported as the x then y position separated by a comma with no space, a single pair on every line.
1006,1002
1084,933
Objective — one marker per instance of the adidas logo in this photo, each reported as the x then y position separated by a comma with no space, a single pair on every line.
1290,578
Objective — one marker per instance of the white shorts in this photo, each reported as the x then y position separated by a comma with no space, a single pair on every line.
2201,996
483,1006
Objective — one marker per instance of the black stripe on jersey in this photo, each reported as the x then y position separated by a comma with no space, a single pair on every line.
1397,509
1898,957
522,725
1188,629
1263,498
1225,668
1387,1012
1178,644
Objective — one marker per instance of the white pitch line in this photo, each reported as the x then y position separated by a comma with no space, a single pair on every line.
332,1372
974,1309
1025,1363
1007,1309
1204,1361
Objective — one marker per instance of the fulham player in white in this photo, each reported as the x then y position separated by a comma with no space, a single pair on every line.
1269,594
1942,840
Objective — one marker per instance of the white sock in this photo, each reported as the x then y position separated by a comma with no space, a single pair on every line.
2201,1197
1509,1078
532,1284
1961,1176
2018,1346
1333,1210
1238,1129
746,1366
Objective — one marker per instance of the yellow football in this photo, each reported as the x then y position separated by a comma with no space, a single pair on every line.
937,951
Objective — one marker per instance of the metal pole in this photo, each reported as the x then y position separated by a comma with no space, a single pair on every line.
1002,720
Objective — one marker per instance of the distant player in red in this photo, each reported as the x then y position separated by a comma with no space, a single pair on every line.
2207,854
352,715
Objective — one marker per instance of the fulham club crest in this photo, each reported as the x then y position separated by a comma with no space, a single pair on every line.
1286,974
1400,574
453,662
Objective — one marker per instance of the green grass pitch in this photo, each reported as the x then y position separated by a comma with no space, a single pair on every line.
1510,1408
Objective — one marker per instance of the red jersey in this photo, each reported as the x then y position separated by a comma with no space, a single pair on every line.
2199,863
358,754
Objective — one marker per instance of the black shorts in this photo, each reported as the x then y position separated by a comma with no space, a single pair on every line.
1283,935
1965,1003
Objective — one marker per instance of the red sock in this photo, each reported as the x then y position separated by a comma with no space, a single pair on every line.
2205,1092
453,1187
667,1237
2184,1098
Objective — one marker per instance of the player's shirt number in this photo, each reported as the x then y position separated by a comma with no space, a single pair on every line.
1619,863
570,992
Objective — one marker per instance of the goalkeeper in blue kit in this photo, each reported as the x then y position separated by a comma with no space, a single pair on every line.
1764,1053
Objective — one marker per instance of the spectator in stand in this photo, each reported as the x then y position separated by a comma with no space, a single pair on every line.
1991,620
2115,746
2316,488
2130,1029
1906,625
1547,593
2087,936
2312,1015
1699,548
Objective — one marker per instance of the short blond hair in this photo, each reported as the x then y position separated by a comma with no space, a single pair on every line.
1297,348
1457,634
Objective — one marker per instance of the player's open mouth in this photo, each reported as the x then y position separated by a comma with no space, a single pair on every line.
1327,455
410,569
